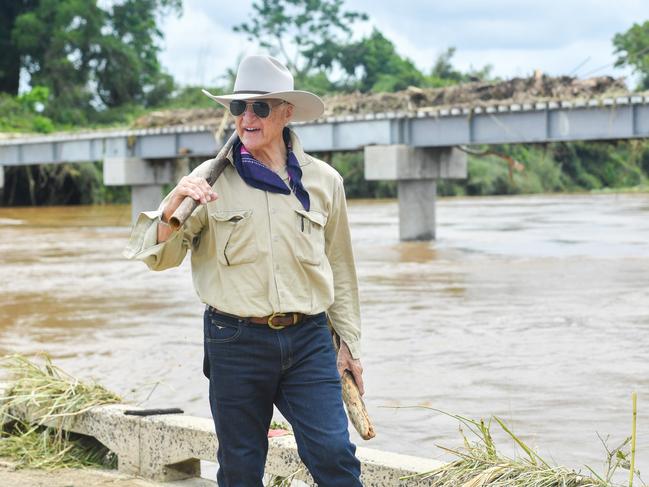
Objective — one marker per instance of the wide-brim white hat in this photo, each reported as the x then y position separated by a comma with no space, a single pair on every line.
264,77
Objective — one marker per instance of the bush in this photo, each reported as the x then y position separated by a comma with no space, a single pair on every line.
18,116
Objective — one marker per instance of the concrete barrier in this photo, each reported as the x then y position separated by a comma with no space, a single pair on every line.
169,448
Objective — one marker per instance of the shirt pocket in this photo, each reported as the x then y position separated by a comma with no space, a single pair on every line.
236,241
309,240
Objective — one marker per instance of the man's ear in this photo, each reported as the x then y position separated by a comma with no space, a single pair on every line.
289,112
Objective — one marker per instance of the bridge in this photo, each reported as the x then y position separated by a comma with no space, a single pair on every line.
415,148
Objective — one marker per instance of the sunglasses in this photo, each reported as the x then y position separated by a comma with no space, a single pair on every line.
260,108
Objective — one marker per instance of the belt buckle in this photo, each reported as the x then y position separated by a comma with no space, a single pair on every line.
274,326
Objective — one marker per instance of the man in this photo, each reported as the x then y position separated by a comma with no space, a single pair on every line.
271,259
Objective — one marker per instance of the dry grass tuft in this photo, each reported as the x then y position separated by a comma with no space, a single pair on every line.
52,397
479,464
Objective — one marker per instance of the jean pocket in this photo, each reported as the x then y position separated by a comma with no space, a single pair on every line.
221,331
322,321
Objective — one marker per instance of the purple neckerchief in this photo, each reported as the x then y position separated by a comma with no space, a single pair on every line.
259,176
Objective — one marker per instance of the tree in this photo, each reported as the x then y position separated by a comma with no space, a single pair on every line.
87,55
632,48
9,53
316,29
376,65
128,70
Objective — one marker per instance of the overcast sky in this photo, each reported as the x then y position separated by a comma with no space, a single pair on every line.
515,36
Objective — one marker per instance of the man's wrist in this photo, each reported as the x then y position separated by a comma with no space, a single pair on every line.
164,218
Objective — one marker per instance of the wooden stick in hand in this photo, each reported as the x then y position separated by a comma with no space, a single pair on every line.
356,409
212,171
353,400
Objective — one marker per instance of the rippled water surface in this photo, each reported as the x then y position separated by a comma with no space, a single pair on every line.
535,309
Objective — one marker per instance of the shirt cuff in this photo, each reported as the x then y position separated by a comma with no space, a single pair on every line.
354,347
144,236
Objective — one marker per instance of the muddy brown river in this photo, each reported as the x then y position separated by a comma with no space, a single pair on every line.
534,309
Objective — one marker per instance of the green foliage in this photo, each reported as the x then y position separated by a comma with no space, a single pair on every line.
88,57
38,95
320,30
19,113
632,48
42,124
575,166
191,97
314,29
317,82
373,64
60,184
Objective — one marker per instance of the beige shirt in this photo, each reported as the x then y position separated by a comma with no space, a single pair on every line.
254,253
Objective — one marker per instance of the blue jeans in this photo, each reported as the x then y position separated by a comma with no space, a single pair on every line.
251,367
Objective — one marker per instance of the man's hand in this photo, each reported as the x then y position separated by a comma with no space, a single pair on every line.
346,362
195,187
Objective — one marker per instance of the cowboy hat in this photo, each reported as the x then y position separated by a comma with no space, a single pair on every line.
264,77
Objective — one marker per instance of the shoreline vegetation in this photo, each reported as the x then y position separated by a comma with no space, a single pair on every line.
51,396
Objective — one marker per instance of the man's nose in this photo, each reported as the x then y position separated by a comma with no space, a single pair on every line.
249,112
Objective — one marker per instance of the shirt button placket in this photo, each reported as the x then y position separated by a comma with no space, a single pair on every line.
274,239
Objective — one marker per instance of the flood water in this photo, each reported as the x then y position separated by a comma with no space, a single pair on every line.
534,309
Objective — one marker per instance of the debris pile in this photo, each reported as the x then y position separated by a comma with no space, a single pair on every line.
183,116
517,90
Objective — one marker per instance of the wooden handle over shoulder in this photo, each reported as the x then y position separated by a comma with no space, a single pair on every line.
211,174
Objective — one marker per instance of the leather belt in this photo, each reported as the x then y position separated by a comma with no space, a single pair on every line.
276,321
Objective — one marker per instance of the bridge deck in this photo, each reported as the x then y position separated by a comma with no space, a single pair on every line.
623,117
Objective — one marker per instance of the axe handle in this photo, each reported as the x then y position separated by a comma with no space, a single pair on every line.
211,174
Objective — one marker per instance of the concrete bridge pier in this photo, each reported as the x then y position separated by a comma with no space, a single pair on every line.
146,178
416,170
2,177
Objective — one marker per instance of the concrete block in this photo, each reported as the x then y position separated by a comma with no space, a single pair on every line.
171,446
145,198
417,209
116,431
127,171
181,168
399,161
38,153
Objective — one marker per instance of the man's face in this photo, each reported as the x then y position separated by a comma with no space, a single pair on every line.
259,134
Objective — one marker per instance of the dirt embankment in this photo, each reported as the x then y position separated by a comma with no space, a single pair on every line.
517,90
